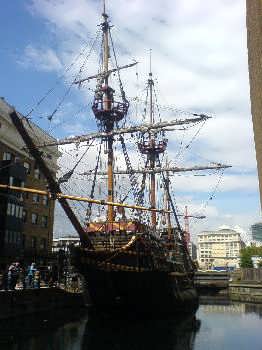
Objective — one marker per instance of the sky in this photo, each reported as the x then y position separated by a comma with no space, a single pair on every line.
199,61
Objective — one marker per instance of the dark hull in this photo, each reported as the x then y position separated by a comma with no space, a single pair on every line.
138,293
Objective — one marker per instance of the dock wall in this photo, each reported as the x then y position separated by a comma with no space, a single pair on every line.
246,285
247,292
35,301
211,280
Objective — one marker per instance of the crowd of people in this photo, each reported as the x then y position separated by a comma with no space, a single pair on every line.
17,276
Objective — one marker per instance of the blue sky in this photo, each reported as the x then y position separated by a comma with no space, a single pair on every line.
199,59
18,29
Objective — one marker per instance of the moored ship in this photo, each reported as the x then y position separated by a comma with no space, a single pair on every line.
133,266
132,263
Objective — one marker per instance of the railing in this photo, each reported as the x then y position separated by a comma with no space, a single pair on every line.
116,110
248,274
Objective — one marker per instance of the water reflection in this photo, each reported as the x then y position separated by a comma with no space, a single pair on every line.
43,334
215,326
84,335
166,335
254,309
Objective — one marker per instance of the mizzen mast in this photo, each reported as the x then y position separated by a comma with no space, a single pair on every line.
152,146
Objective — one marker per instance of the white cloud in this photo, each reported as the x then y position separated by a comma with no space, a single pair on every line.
43,59
200,61
238,183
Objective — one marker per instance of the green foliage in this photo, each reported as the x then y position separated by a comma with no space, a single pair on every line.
247,253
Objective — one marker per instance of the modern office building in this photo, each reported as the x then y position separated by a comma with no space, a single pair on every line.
192,250
219,249
26,220
254,44
256,231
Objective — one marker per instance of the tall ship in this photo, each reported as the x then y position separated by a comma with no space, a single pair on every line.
134,256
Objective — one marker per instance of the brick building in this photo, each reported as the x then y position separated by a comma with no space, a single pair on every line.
254,44
26,220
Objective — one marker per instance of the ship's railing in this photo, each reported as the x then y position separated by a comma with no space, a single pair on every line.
104,109
109,241
146,147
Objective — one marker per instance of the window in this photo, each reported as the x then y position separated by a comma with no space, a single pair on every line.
6,236
43,243
44,221
24,215
37,174
27,166
17,210
7,156
9,209
34,218
33,242
45,201
20,212
11,181
23,242
13,209
36,198
19,239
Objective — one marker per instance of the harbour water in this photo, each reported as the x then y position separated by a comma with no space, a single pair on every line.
216,325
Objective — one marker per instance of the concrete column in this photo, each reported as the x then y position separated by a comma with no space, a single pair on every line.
254,43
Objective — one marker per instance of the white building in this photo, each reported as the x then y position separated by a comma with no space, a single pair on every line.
64,243
219,249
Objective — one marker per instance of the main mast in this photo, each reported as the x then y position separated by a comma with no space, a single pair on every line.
152,144
107,111
109,124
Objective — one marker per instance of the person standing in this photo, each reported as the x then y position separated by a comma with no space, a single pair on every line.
22,276
31,274
11,277
15,273
37,279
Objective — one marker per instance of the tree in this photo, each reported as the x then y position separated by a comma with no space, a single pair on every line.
247,253
245,260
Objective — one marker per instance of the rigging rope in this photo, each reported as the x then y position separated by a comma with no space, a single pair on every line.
123,95
142,188
166,185
59,79
77,77
68,175
89,208
132,177
186,257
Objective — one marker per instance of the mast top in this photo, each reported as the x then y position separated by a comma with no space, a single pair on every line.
150,63
104,14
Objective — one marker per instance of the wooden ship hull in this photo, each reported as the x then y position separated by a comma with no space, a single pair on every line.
137,279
